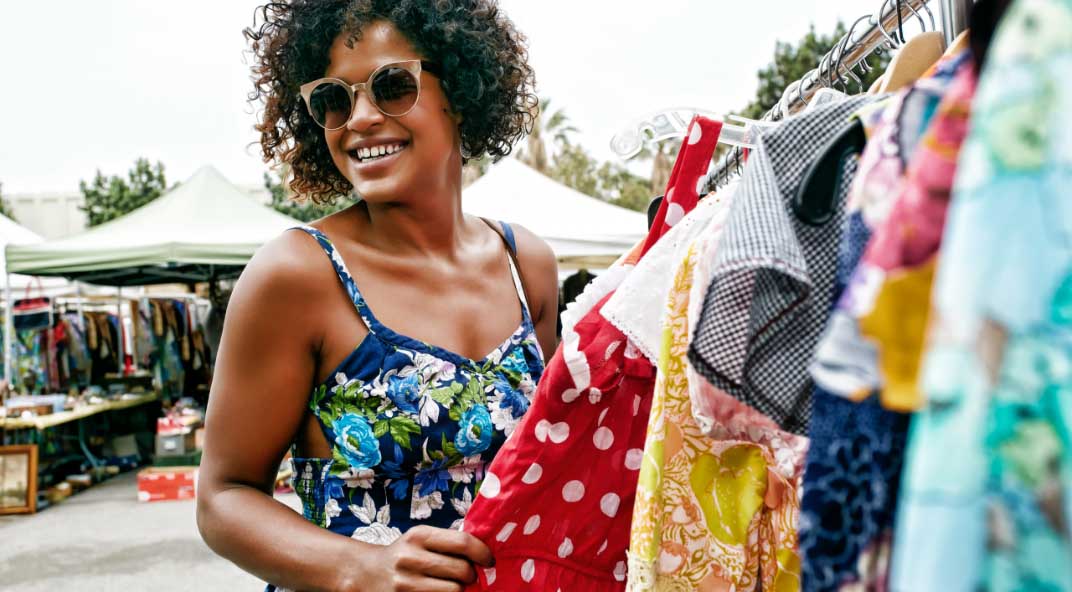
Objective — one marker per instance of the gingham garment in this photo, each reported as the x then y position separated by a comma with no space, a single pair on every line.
773,281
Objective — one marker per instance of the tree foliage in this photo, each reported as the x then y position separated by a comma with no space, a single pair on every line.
108,198
283,201
5,208
791,62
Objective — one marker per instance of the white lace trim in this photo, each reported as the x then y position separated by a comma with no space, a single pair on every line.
641,574
638,308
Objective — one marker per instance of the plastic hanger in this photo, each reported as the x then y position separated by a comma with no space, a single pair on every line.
814,201
674,123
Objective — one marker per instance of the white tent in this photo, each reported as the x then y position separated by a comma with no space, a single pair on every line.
581,230
11,233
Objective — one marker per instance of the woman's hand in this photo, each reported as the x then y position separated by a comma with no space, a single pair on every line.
425,559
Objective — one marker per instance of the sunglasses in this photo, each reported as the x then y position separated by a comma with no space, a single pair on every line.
393,88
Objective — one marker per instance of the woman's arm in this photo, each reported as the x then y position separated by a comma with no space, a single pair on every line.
264,373
539,268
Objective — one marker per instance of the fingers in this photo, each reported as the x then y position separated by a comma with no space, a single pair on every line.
438,566
419,584
453,542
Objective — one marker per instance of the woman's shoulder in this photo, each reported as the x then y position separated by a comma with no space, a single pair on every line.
291,265
534,255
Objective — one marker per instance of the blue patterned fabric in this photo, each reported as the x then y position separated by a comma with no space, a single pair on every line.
411,425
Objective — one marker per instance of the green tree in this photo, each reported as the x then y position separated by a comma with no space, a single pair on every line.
792,62
284,201
107,198
553,125
5,208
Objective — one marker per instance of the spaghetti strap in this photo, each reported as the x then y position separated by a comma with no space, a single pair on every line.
344,276
508,236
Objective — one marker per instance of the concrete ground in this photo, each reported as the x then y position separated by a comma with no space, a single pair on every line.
104,540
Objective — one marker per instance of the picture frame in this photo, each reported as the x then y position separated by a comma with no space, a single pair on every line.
18,479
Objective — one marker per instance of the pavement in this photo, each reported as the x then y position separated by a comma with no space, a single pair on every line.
104,540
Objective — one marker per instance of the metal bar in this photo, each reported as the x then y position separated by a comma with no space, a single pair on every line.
9,334
855,47
955,16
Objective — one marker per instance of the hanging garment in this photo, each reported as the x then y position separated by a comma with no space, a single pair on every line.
987,495
771,290
412,426
556,504
857,445
716,507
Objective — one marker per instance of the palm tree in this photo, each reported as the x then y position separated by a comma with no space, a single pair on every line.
554,124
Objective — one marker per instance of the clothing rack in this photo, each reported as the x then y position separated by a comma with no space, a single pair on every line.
849,52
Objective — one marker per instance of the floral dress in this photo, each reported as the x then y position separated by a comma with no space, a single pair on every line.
411,425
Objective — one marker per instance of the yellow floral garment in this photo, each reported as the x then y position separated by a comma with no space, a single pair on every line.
716,508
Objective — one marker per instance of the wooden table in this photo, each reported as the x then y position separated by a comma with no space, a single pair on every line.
44,422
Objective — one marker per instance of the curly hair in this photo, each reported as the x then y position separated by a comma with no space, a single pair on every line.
486,76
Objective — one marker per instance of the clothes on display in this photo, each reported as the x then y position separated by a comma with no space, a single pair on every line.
553,523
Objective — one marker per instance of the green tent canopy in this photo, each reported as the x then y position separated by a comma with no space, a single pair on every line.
205,228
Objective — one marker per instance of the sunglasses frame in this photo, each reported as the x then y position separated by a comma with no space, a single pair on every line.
414,67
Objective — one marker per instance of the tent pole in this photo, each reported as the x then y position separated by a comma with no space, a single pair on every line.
122,332
9,331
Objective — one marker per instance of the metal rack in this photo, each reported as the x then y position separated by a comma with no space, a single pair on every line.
837,68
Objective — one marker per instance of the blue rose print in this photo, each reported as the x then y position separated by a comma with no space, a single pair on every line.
356,442
404,392
474,431
512,399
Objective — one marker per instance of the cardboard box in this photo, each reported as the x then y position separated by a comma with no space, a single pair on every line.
175,444
159,484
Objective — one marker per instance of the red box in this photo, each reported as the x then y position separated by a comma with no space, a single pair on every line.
167,484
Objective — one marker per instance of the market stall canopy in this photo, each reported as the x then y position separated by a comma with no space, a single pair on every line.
581,230
11,233
204,228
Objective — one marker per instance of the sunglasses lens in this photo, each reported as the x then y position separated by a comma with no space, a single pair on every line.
395,90
329,104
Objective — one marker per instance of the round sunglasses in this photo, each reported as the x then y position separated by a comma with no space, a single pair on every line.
393,88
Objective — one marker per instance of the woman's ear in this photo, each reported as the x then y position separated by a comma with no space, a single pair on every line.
457,117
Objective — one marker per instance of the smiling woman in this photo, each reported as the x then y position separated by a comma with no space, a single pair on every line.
382,102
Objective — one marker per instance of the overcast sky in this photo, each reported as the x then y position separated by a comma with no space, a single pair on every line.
90,85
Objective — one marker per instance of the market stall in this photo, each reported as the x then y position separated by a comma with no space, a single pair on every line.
141,349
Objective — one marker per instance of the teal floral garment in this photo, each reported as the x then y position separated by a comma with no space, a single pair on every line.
411,425
986,501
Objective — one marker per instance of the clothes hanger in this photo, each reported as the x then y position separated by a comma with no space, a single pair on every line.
674,123
813,203
914,58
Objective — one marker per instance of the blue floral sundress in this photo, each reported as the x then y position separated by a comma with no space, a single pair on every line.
411,425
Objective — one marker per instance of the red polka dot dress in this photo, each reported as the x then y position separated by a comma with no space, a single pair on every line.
556,503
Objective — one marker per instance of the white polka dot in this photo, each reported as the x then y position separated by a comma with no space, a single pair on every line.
611,349
570,395
595,396
573,491
566,548
489,573
528,570
542,427
695,134
506,531
619,571
490,487
602,416
532,524
603,438
609,504
633,459
674,214
533,474
602,547
559,432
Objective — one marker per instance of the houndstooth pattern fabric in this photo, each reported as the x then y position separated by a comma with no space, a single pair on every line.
771,289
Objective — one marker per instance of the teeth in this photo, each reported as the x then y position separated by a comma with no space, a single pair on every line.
378,151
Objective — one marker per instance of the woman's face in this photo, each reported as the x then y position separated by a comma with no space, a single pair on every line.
428,134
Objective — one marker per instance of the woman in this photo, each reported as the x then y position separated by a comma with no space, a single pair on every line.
385,100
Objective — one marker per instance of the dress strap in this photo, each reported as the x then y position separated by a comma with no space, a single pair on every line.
344,276
507,233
